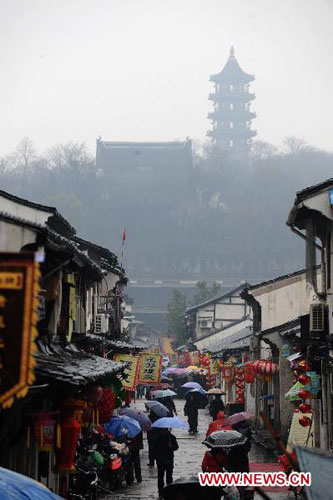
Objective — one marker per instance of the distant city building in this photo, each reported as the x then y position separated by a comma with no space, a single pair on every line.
144,158
232,100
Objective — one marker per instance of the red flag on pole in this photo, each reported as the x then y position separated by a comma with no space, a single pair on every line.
124,233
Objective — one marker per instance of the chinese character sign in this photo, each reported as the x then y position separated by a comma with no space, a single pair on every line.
19,275
131,372
150,368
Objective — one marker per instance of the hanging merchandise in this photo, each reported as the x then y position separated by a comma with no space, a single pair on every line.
106,405
305,421
286,351
239,378
131,371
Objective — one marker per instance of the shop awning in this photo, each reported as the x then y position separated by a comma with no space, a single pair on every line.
70,365
238,340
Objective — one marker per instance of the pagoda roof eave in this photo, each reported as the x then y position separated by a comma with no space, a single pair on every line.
235,78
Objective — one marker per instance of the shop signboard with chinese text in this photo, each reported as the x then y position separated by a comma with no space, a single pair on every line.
19,275
150,368
131,371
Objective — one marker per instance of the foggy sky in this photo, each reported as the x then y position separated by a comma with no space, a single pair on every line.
139,69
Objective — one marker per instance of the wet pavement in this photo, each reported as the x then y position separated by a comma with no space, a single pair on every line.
187,460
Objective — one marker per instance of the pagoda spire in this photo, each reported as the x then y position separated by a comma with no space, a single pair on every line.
231,116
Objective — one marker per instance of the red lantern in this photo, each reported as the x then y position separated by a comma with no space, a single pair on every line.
44,431
305,421
304,379
106,405
70,431
304,408
303,394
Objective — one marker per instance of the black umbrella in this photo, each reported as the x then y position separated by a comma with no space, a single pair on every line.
166,379
191,490
158,408
225,439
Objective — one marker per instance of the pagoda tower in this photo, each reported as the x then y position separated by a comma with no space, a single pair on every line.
232,100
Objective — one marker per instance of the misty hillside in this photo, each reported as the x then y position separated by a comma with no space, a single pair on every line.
224,217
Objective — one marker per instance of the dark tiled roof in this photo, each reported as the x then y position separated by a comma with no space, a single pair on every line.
317,188
274,280
237,340
221,296
115,345
38,206
109,257
72,366
155,145
56,237
293,326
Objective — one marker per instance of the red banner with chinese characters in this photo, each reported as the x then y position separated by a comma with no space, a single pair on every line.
19,287
150,368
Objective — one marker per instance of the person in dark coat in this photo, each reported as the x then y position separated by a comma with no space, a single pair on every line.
164,447
170,404
135,445
191,411
215,406
151,436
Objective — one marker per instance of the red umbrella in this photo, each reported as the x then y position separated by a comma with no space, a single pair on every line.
239,417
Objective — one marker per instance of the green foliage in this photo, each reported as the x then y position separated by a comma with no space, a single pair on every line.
175,317
204,292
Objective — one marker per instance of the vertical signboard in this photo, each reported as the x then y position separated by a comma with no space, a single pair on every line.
19,275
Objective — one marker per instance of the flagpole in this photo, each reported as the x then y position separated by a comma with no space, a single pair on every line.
122,247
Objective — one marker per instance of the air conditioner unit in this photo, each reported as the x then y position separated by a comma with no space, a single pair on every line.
254,343
205,323
101,323
317,317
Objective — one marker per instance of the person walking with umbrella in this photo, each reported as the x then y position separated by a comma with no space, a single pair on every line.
217,404
156,411
164,447
191,411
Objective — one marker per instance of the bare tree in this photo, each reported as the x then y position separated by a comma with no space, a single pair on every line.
293,145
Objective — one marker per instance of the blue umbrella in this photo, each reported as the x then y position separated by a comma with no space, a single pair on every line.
14,486
122,427
170,423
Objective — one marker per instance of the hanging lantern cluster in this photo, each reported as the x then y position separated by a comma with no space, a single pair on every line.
264,367
302,381
239,378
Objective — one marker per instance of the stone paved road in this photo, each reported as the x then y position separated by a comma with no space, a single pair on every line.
187,461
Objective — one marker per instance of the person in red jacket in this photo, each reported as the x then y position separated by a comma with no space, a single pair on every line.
214,460
218,424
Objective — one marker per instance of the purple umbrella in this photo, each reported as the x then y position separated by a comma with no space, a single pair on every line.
137,415
238,417
192,385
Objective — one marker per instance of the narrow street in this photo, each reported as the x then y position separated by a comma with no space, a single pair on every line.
187,460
